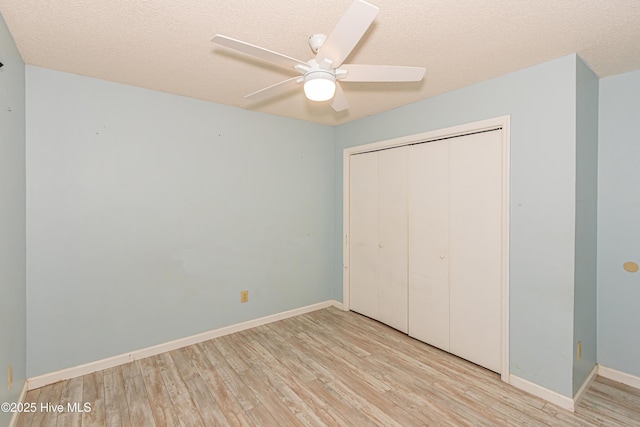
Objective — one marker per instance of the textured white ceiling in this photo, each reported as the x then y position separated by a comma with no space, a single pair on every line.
165,44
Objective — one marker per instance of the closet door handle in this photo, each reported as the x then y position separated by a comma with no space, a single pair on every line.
441,256
380,245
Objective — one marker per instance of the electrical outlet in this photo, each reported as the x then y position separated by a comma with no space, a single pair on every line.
244,296
579,350
9,377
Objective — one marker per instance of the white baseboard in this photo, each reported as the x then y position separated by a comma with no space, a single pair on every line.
567,402
77,371
585,386
542,392
621,377
23,394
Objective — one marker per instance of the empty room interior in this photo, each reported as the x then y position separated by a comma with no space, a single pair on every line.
190,235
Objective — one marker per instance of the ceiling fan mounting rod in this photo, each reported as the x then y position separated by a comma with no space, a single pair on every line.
316,41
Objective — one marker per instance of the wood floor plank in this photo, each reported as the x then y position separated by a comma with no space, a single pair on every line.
226,347
317,394
137,399
569,418
93,394
269,399
429,410
71,400
49,398
288,393
354,389
614,415
620,390
245,396
261,417
159,400
327,367
625,398
278,349
287,370
348,414
186,410
115,400
228,403
31,401
207,406
235,342
503,411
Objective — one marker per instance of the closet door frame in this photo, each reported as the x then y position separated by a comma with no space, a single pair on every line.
501,122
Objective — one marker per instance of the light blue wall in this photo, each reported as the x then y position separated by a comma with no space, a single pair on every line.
586,223
542,103
619,223
12,220
148,213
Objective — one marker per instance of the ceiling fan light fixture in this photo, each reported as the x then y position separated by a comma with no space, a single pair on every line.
319,85
319,75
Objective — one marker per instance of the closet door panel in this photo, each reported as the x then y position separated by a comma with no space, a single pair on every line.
392,235
475,248
363,225
429,243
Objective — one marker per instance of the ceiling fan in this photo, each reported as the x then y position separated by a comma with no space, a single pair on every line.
321,74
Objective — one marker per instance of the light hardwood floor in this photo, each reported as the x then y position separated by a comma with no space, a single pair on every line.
323,368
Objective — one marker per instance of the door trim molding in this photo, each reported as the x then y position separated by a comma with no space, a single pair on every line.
450,132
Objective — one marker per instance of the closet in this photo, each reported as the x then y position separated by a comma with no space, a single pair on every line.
426,242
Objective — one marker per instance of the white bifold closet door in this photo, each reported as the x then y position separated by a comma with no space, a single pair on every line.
429,243
455,246
378,236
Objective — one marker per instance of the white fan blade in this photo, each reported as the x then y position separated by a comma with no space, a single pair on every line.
274,89
257,51
347,33
339,102
382,73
